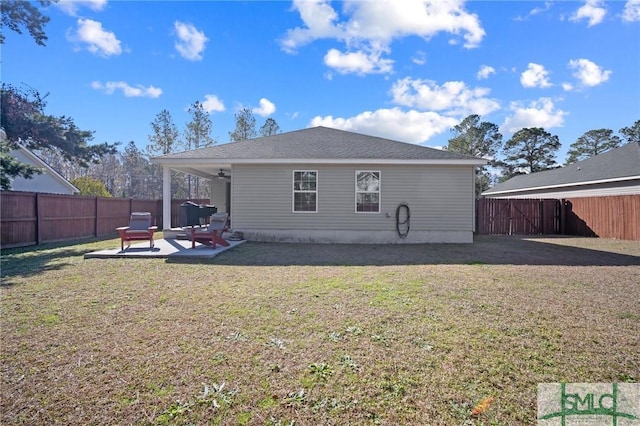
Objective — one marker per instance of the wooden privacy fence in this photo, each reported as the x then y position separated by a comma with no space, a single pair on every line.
30,218
605,217
497,216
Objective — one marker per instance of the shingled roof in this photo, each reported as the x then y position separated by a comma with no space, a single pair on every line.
622,163
317,143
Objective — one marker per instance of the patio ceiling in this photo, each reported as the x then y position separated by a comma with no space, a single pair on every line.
207,171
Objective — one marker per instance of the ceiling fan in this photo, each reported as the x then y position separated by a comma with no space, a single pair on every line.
222,175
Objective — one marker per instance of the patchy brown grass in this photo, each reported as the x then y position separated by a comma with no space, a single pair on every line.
281,334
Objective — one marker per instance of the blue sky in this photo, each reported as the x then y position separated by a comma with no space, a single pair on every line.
407,70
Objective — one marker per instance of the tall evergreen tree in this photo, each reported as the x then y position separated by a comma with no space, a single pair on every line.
197,135
631,133
479,139
592,143
530,150
164,139
135,168
270,127
245,126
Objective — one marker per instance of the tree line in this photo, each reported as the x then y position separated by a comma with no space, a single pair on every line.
101,169
528,150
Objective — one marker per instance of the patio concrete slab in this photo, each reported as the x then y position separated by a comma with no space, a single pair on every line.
164,248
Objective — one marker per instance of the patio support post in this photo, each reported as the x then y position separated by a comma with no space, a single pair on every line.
166,197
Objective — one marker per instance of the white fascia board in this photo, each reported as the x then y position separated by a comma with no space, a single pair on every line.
564,185
200,162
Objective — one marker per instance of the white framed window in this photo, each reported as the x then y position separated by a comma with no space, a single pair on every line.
367,191
305,191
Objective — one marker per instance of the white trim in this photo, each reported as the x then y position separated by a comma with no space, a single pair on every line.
355,195
199,162
293,191
381,236
563,185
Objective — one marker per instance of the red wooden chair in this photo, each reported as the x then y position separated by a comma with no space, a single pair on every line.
212,234
139,229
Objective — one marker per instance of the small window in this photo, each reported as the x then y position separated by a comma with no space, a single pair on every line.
367,192
305,191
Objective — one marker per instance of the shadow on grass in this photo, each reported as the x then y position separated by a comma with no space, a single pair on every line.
509,250
32,260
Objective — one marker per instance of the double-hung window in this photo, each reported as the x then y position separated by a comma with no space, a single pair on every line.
305,191
368,191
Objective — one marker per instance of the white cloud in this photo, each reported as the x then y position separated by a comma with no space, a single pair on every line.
71,7
129,91
589,73
567,87
540,113
265,109
191,42
535,11
535,76
318,17
357,62
420,58
98,40
592,10
631,11
212,104
452,97
407,126
371,26
485,71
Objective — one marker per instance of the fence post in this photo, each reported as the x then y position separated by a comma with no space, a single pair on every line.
542,222
563,216
38,219
95,222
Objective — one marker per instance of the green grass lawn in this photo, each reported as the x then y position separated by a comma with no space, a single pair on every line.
284,334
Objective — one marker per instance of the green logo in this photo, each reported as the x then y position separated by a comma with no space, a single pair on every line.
565,404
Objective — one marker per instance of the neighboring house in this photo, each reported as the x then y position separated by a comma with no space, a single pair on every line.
326,185
48,181
615,172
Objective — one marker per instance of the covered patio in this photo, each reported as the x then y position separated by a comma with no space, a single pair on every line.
218,175
165,248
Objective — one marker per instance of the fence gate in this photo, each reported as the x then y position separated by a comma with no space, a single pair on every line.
497,216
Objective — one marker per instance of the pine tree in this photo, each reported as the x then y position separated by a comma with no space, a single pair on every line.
530,150
478,139
245,126
592,143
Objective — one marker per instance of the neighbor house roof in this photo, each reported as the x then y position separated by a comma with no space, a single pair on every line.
318,145
619,164
50,181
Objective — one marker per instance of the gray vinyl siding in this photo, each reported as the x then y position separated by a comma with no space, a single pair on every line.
440,198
